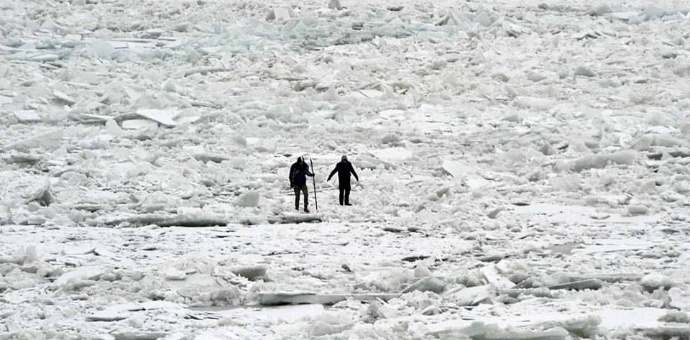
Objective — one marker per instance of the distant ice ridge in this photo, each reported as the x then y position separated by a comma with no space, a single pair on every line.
650,13
191,42
317,28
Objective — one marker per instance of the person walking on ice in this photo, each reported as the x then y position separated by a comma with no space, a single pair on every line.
344,168
298,181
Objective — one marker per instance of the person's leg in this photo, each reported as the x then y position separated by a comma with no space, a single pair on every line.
340,195
305,191
296,197
347,196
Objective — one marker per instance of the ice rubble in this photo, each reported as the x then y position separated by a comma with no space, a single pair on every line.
516,160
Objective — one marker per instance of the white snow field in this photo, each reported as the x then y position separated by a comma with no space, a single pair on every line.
524,169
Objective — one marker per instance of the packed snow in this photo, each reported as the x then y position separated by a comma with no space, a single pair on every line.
524,169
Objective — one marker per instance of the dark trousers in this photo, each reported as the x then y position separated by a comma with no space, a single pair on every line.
344,193
305,191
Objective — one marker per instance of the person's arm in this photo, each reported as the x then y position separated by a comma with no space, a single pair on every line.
309,173
352,169
292,171
332,173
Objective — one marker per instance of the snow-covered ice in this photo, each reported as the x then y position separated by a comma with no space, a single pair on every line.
524,169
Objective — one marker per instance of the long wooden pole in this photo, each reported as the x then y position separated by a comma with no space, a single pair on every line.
313,178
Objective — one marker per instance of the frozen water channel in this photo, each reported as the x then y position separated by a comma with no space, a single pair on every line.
524,169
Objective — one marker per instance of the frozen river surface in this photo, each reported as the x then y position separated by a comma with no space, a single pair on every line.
524,169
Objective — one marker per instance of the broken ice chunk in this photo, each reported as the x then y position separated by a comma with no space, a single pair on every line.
181,27
251,273
369,162
427,284
163,117
541,104
102,49
79,250
623,16
5,100
492,276
472,296
421,271
535,77
674,316
205,157
45,57
280,14
83,273
494,213
170,86
136,124
485,18
151,34
584,71
672,331
63,97
138,335
112,128
106,316
680,298
248,199
174,274
666,141
652,12
579,285
654,281
42,194
27,116
23,158
451,19
551,334
599,11
635,210
274,299
600,161
335,4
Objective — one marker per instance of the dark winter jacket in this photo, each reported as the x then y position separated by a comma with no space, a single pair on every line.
344,168
298,174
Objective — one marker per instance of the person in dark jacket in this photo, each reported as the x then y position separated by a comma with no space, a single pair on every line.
344,168
298,181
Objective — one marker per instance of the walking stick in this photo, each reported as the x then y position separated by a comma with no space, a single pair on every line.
313,178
